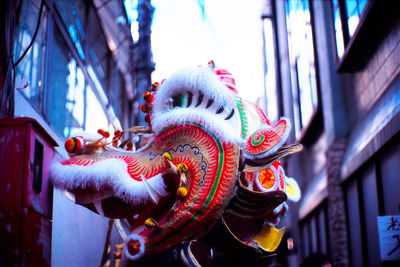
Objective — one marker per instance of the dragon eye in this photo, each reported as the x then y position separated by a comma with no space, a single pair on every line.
177,100
266,178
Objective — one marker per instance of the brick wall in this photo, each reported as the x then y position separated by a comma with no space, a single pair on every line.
336,210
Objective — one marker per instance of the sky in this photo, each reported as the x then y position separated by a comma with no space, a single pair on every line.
228,32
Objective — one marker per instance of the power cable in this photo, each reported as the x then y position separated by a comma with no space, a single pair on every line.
34,35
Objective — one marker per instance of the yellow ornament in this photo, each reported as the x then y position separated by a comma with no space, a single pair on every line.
269,238
182,167
182,191
167,156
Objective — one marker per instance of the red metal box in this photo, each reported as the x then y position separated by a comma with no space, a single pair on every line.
25,156
26,194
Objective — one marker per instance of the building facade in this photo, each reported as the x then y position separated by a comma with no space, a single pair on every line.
335,75
69,65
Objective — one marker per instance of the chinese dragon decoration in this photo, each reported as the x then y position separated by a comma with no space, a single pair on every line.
207,169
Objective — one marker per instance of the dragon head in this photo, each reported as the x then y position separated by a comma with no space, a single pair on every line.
200,95
204,150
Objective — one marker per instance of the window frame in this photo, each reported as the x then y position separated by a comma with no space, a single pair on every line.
278,82
360,47
312,128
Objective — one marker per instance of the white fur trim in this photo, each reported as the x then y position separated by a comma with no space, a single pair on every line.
220,127
276,147
106,174
192,79
134,237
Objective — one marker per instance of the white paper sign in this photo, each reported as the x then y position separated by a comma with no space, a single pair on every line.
389,237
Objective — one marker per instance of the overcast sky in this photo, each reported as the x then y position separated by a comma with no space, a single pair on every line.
228,31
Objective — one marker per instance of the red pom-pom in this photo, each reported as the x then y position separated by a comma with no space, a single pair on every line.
147,118
148,97
105,134
144,108
74,144
117,134
145,94
155,86
134,247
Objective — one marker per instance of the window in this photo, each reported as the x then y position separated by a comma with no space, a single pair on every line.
91,44
362,210
354,10
353,216
346,16
371,192
73,14
314,232
389,163
32,66
65,99
272,93
66,82
302,64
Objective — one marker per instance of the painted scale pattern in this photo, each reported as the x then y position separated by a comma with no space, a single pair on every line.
212,171
205,203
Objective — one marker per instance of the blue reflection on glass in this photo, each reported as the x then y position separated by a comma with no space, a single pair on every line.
131,9
354,10
301,52
338,28
73,34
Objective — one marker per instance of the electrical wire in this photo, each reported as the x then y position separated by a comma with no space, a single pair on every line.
34,35
7,94
7,90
